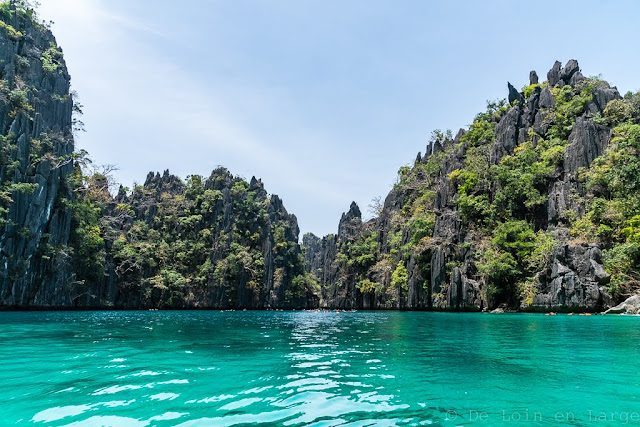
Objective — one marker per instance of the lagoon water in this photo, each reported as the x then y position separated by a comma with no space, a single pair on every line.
317,368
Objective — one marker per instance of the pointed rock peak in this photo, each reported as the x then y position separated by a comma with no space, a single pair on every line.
309,239
514,95
257,187
354,211
569,70
150,177
533,78
554,74
122,194
419,157
429,151
275,200
459,136
275,203
255,184
437,147
350,222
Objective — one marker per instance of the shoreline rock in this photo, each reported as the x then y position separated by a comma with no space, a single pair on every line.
630,306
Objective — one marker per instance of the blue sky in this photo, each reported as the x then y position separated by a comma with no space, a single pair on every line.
323,100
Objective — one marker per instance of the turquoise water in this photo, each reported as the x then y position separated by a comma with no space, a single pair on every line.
317,368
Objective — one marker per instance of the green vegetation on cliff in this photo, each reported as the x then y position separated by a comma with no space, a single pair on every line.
219,242
514,210
535,206
613,197
66,241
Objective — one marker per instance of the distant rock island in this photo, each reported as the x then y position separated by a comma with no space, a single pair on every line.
534,207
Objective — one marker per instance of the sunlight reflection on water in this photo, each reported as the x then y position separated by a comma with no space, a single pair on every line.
308,368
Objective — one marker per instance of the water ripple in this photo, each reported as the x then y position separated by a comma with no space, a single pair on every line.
310,368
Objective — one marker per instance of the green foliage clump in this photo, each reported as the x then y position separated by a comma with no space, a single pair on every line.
86,237
626,110
304,284
11,32
361,252
501,272
400,277
516,238
19,101
52,59
530,89
367,286
481,132
570,103
523,177
465,180
515,253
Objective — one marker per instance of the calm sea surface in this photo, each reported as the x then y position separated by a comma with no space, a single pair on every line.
317,368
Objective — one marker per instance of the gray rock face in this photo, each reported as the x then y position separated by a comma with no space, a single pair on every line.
438,272
586,142
442,275
574,280
463,294
575,79
603,96
546,99
553,76
350,223
569,70
507,132
533,78
514,95
35,110
629,306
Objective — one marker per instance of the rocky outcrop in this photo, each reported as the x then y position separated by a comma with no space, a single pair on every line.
568,75
573,281
514,95
350,223
221,242
338,285
586,142
629,306
507,132
35,162
441,270
254,253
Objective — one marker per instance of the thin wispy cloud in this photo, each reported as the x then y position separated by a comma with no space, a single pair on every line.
147,112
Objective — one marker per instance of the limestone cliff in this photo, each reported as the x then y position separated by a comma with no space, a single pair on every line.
214,243
536,206
463,224
66,242
35,160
